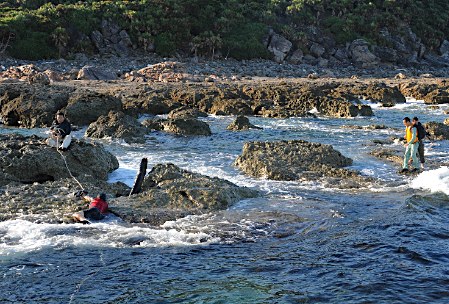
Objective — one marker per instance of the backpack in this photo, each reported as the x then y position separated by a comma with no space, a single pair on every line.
421,131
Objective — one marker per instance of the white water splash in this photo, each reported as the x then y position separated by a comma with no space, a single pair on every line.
433,180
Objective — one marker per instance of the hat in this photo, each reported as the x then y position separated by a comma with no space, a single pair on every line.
102,196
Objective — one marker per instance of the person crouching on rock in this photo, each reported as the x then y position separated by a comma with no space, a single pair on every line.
60,132
411,146
97,208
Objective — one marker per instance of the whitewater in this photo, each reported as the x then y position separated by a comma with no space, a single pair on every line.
299,242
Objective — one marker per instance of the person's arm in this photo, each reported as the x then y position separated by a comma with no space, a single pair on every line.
412,140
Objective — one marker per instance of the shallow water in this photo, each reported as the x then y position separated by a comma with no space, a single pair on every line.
298,243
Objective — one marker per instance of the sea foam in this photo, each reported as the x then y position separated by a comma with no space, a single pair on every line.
433,180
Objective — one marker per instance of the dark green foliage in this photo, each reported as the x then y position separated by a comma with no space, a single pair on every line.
34,46
235,27
246,42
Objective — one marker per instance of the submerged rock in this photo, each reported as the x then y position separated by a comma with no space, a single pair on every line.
170,192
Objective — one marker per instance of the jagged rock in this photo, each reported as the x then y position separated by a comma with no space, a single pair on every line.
186,113
241,123
154,124
31,106
186,127
438,96
400,76
51,201
296,57
360,54
29,159
39,78
290,160
170,193
22,72
93,73
394,156
317,50
168,71
436,130
279,46
231,107
84,107
54,76
117,125
446,121
444,48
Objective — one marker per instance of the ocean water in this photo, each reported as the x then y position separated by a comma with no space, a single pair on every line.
297,243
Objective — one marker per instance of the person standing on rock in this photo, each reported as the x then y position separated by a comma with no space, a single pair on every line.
411,146
421,134
97,208
60,132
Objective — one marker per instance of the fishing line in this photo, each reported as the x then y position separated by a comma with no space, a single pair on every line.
81,283
65,162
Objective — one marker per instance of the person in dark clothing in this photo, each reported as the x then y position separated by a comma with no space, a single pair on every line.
60,132
97,208
421,135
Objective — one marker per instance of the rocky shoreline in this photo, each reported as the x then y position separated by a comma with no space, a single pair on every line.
110,102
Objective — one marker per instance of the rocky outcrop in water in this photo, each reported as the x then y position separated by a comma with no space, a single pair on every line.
29,160
186,112
241,123
289,160
186,127
432,93
437,130
170,192
117,125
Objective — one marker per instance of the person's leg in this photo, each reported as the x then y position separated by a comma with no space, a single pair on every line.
406,157
421,152
79,216
413,150
93,214
66,142
51,142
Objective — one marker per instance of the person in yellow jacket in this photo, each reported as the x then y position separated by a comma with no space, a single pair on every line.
411,146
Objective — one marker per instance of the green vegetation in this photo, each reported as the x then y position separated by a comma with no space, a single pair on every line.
44,29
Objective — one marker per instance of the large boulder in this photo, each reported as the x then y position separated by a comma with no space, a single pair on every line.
186,127
92,73
170,192
279,46
29,159
118,125
86,106
231,107
290,160
437,96
361,55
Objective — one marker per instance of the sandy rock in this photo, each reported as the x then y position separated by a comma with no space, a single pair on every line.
117,125
170,193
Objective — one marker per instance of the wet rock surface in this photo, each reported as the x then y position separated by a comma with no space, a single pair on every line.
437,130
169,192
241,123
182,126
117,125
29,160
295,160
